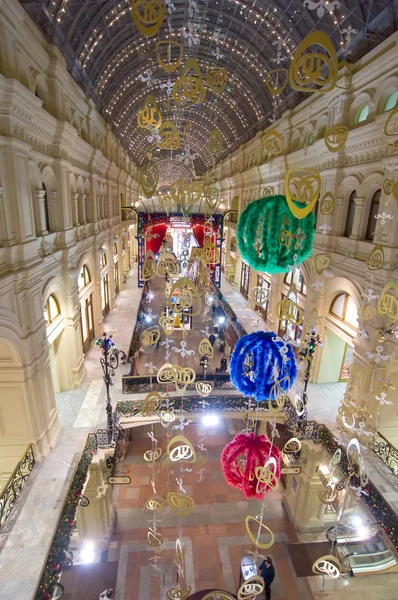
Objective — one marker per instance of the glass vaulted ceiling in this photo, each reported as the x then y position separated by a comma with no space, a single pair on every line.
109,58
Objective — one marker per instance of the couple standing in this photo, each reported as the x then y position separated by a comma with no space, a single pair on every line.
267,571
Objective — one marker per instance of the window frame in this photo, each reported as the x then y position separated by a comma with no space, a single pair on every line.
343,318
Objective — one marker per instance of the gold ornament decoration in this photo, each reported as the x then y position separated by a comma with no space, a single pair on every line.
335,137
250,588
167,417
395,191
276,81
204,388
154,538
388,186
164,48
268,191
181,505
184,451
215,142
327,565
314,71
367,313
272,144
166,200
149,116
148,15
292,446
189,89
259,295
391,125
211,195
152,455
168,265
149,337
375,259
149,266
321,261
205,348
183,376
154,504
302,185
170,138
186,194
256,542
178,593
327,204
187,295
387,304
267,477
166,373
217,79
149,178
289,311
328,495
151,403
209,254
166,321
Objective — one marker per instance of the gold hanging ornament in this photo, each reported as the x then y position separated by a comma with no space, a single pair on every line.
164,50
289,311
178,593
302,185
184,451
189,89
166,321
186,297
276,81
148,15
152,455
182,506
388,186
204,388
387,304
209,254
321,261
149,116
152,401
327,204
272,144
211,195
327,565
314,71
149,337
170,138
168,265
205,348
215,142
250,588
149,179
154,504
186,194
256,540
375,260
335,137
217,79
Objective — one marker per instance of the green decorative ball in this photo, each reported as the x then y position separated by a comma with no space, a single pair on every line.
269,235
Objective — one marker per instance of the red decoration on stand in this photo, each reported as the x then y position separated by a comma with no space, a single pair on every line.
240,459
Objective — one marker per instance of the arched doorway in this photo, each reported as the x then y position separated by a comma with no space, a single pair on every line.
85,286
104,287
55,326
340,330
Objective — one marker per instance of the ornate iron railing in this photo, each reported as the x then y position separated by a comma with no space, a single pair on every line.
384,450
16,484
135,383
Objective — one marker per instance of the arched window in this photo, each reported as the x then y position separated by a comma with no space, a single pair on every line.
374,210
84,278
361,113
47,223
310,138
103,260
391,101
297,278
115,250
51,309
233,244
350,214
343,307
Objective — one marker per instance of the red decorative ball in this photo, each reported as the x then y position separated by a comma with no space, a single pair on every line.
241,458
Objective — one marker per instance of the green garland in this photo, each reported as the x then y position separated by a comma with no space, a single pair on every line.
273,218
66,523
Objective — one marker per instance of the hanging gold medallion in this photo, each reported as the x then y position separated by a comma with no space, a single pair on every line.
209,254
187,295
277,393
211,195
184,451
182,506
170,138
292,446
205,348
186,194
152,402
148,15
167,417
149,266
149,179
289,311
154,504
149,337
250,588
178,593
367,313
387,303
164,52
376,258
204,388
154,538
183,376
391,125
260,295
276,81
217,79
312,320
272,144
168,265
215,142
335,137
314,71
266,477
166,321
166,200
327,565
256,540
166,373
321,262
149,116
327,204
388,186
189,89
152,455
302,185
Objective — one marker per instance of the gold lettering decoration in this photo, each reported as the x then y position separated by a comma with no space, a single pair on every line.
259,295
289,311
335,137
327,565
302,185
186,194
166,200
387,304
189,89
170,138
182,506
154,538
151,404
277,392
178,593
321,262
168,265
347,412
255,540
152,455
166,373
149,179
327,204
205,348
148,15
367,313
211,197
149,337
166,47
204,388
149,117
267,477
154,504
215,142
328,495
292,446
167,417
250,588
272,144
149,266
184,451
166,321
388,186
183,376
187,295
314,71
209,254
376,258
391,125
276,81
217,79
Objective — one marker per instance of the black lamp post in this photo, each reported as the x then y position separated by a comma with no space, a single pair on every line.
109,361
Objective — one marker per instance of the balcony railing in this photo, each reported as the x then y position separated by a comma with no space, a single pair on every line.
386,451
15,485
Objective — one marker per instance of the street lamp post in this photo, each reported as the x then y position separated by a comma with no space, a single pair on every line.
111,357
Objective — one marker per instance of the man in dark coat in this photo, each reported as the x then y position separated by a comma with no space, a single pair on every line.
268,574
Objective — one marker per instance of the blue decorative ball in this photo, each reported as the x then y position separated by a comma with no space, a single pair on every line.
258,362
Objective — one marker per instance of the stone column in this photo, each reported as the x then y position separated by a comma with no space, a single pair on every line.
82,217
40,209
356,228
75,204
7,236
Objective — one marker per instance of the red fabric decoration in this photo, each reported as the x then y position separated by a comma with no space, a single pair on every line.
155,242
240,458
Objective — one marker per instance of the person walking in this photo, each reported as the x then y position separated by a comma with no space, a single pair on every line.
268,574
